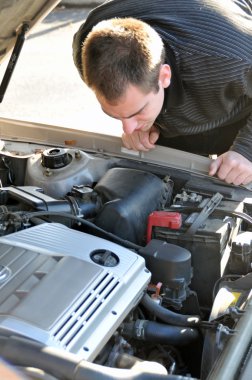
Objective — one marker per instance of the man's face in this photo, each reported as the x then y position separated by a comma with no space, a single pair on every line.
135,109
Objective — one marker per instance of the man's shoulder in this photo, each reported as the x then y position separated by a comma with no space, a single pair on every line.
207,26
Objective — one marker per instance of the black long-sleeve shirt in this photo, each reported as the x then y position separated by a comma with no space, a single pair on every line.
209,48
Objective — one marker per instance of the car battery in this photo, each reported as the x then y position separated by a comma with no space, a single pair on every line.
209,244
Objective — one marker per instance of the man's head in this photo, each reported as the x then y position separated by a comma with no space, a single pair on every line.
123,62
121,51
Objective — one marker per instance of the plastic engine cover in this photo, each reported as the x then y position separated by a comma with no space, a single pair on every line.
56,289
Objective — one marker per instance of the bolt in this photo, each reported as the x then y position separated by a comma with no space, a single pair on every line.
77,154
48,172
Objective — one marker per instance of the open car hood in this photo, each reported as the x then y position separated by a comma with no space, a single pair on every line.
15,14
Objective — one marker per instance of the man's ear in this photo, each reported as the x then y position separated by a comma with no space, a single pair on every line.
165,75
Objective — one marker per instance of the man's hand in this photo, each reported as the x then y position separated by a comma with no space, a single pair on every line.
140,140
232,167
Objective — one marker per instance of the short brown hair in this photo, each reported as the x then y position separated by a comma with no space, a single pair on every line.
120,51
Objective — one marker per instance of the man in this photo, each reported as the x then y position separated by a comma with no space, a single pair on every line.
176,73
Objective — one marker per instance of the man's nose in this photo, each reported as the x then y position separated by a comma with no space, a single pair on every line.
129,125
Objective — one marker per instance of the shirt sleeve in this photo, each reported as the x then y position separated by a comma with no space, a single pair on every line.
243,141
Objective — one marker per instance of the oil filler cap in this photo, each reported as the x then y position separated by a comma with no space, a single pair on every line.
104,257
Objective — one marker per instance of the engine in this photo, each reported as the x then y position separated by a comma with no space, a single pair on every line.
120,262
78,288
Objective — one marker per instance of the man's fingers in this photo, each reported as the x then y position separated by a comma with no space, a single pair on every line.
232,167
125,141
214,166
242,179
134,143
154,135
139,140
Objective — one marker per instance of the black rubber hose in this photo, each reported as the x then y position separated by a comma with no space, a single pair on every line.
160,333
67,366
105,234
167,315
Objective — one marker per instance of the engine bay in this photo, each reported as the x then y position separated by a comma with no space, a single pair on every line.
120,261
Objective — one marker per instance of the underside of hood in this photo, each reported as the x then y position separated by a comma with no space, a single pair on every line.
17,14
